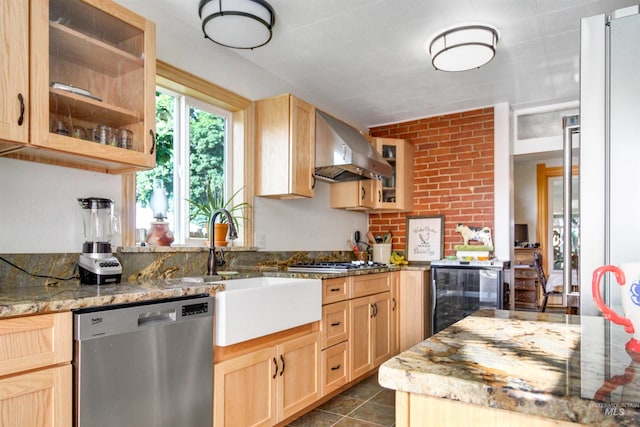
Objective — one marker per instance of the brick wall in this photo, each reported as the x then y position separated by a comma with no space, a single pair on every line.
453,173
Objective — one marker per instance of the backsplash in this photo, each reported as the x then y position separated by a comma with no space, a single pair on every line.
453,173
153,263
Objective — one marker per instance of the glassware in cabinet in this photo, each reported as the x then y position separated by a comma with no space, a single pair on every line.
94,68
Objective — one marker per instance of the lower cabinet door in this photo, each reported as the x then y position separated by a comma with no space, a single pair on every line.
360,337
264,387
37,399
299,374
245,390
382,344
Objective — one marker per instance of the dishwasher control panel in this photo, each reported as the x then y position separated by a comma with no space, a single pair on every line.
198,308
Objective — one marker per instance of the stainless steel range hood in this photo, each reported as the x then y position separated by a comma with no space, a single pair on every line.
344,154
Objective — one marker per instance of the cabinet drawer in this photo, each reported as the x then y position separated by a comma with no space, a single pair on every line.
525,285
525,273
335,323
34,342
369,284
335,367
334,290
524,256
525,297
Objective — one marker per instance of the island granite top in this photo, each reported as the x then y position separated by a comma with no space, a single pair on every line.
570,368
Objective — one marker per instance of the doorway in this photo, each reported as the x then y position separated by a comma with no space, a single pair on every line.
551,228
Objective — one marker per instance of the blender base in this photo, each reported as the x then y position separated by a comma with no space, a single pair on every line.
90,278
99,269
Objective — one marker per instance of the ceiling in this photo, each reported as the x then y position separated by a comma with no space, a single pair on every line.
365,61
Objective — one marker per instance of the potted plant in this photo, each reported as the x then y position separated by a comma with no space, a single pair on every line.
202,212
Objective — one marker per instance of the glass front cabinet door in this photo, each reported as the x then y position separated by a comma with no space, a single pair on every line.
93,85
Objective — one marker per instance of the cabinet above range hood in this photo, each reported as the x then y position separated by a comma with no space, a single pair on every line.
344,154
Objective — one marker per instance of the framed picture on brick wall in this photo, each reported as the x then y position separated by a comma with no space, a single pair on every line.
425,239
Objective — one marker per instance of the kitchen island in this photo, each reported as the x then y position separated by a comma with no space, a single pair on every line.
498,367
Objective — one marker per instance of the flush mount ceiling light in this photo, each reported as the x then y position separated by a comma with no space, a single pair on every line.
239,24
464,47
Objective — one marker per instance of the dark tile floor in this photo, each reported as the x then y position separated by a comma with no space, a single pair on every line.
366,404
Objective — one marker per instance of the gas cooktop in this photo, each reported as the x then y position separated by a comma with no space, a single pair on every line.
333,267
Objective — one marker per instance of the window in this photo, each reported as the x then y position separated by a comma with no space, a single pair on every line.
239,146
192,152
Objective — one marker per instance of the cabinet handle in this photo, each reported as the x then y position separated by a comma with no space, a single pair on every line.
372,310
379,196
362,193
395,304
153,141
375,309
282,360
335,368
335,289
275,374
335,324
21,118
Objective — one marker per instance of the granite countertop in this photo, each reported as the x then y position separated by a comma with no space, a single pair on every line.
67,296
52,296
570,368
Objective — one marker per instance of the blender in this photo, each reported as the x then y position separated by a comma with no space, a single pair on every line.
97,264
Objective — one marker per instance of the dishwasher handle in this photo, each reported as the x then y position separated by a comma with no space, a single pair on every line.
156,317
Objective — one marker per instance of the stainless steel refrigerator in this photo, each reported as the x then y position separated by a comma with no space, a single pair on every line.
609,147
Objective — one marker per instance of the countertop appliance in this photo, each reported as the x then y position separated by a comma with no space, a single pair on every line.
97,264
334,267
144,364
459,288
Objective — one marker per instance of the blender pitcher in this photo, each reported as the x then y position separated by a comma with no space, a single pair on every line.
97,263
100,224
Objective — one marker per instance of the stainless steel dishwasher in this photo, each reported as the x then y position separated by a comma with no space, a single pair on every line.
144,364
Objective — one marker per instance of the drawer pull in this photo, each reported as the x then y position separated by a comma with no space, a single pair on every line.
336,324
335,289
335,368
275,362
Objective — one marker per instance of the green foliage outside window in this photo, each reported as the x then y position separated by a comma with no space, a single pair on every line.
206,159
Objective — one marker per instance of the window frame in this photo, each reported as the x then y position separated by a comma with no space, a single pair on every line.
240,154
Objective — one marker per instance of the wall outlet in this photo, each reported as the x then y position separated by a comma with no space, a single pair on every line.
261,240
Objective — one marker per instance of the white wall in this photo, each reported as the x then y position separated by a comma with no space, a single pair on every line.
39,212
305,224
502,179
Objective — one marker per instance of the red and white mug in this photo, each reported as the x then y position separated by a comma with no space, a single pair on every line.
628,277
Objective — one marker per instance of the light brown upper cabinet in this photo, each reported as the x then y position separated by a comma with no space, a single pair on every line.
355,195
397,191
92,70
285,147
393,193
14,73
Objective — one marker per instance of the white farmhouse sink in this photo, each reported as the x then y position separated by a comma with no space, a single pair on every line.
259,306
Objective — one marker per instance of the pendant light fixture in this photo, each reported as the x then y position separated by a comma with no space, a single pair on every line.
238,24
463,47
